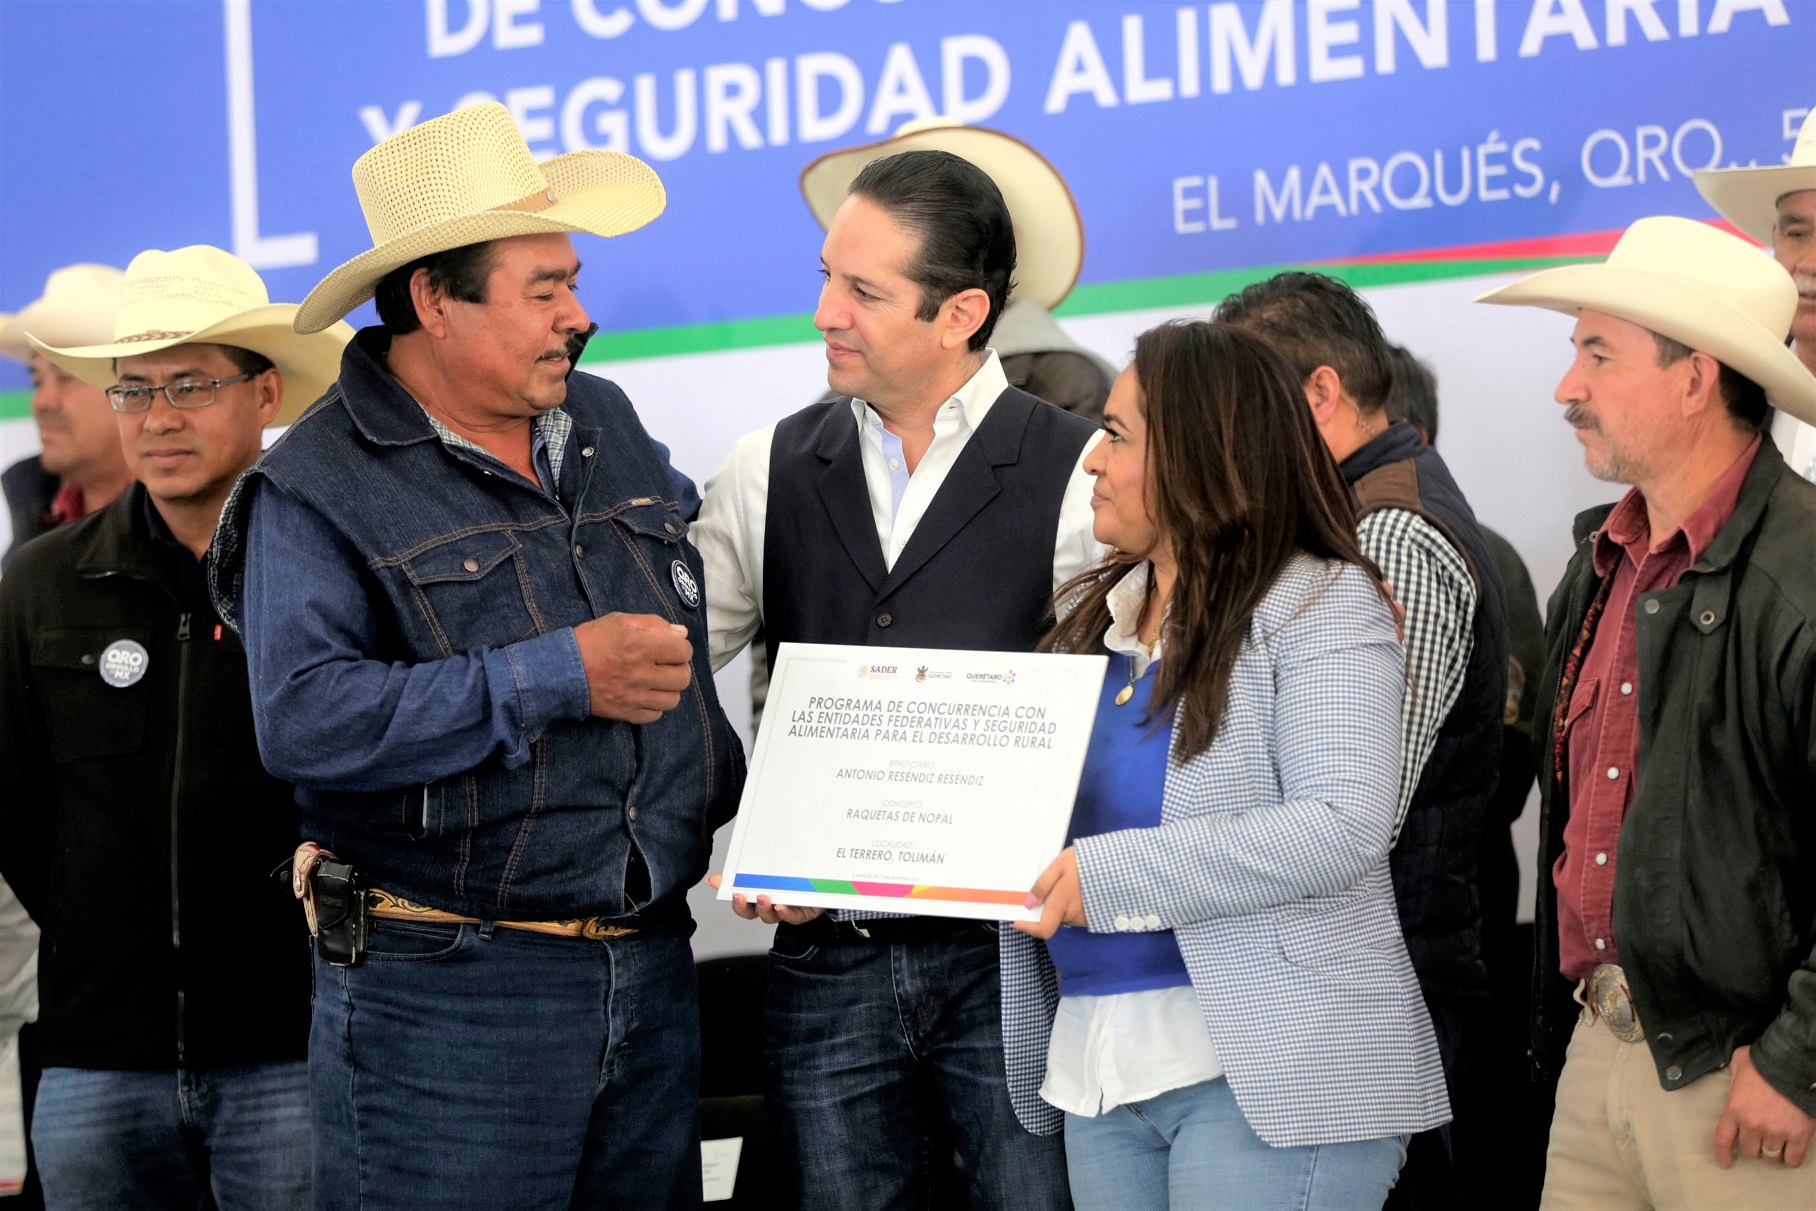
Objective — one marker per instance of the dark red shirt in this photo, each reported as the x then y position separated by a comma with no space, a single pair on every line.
1602,728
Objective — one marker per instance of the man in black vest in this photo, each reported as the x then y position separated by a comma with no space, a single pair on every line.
1420,531
929,505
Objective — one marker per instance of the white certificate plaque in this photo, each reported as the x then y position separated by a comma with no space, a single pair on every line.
912,780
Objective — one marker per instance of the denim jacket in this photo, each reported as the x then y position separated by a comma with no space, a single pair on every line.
408,609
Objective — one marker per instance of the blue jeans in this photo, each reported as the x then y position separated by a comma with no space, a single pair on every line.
865,1044
174,1138
1190,1149
469,1066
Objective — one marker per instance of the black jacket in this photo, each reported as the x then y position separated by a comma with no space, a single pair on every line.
30,491
1715,875
110,797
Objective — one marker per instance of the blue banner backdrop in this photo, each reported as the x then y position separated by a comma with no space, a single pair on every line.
1196,137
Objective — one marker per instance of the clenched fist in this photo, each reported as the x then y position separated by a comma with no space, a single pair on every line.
636,665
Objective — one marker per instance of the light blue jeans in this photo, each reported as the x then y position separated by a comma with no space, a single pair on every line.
1190,1149
231,1137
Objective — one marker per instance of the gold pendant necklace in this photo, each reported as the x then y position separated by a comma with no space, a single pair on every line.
1128,691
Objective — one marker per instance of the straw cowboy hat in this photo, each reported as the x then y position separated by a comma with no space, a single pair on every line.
1748,197
1697,285
76,308
201,295
468,177
1049,234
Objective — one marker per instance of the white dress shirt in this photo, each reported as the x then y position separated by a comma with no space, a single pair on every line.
1108,1051
730,531
1797,442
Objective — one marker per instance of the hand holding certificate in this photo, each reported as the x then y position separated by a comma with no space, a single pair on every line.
912,780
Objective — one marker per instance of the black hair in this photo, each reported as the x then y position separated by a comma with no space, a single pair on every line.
967,240
1746,399
460,273
246,361
1315,320
1415,393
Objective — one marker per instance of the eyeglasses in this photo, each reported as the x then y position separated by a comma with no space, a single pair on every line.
184,393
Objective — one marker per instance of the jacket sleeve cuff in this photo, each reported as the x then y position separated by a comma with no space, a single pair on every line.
1790,1070
537,682
1112,905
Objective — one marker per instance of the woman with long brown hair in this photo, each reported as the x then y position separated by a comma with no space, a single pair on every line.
1237,1023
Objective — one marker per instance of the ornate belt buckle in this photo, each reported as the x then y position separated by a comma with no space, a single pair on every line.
593,929
1613,1003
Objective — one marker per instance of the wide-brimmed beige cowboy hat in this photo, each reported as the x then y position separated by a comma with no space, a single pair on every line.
77,307
1699,286
1049,234
1748,197
468,177
204,295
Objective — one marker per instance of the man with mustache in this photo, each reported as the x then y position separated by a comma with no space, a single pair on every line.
136,822
1776,205
1680,682
929,504
477,645
80,468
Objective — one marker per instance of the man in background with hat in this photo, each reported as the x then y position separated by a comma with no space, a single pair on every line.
929,504
1776,205
477,645
137,824
1680,680
80,467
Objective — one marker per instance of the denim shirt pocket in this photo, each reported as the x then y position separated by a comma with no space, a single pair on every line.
473,590
655,535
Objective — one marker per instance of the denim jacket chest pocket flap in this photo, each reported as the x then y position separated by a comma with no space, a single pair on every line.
652,518
653,533
471,592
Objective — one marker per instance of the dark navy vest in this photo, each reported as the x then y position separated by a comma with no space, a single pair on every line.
978,572
1434,861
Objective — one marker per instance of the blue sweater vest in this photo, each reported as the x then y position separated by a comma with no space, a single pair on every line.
1123,784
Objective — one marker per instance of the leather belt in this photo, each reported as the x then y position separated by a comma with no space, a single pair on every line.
1609,999
392,907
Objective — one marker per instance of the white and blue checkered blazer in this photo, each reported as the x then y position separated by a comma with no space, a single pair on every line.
1270,866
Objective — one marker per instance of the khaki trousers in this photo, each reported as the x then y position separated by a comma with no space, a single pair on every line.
1619,1141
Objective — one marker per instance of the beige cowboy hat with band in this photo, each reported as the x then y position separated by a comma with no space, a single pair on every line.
1049,234
1696,284
1748,197
202,295
468,177
77,308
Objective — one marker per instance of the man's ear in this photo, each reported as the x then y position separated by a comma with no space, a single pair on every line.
1702,385
431,304
961,316
1324,392
270,386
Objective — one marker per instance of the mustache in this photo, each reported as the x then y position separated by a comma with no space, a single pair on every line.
1806,284
1578,417
576,344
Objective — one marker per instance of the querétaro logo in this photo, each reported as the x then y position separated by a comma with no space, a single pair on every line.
123,663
